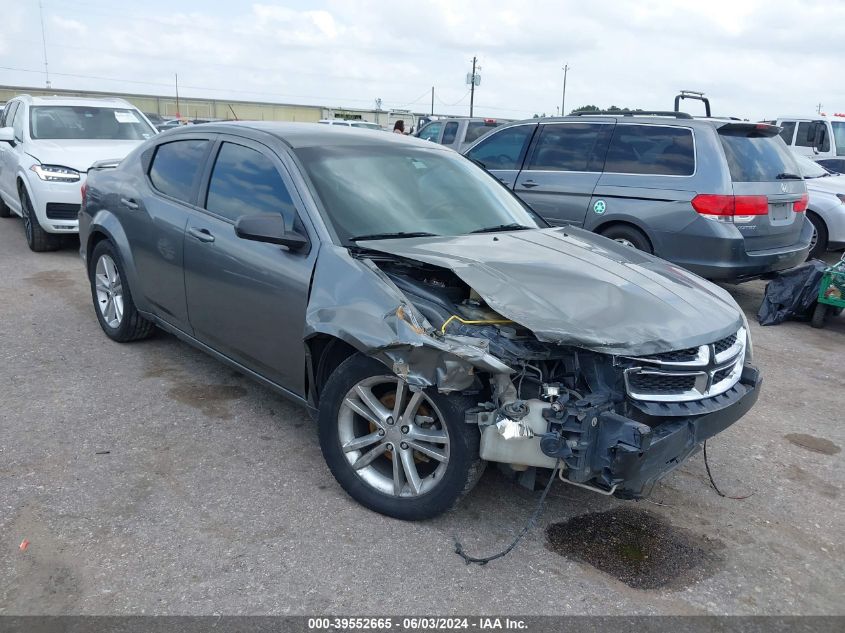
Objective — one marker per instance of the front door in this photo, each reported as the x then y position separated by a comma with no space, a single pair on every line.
247,299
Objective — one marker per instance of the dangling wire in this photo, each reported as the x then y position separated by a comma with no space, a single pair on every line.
532,521
713,483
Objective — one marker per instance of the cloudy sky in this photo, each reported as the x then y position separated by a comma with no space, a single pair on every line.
753,58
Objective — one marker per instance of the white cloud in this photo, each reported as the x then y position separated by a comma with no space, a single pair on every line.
753,58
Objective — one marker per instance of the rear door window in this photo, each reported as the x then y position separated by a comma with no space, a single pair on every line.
787,131
244,182
175,167
753,157
505,149
571,147
658,150
449,133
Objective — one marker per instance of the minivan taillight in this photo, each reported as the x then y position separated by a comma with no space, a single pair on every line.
711,204
799,206
84,190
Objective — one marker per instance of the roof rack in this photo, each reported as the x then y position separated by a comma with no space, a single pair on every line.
692,94
677,115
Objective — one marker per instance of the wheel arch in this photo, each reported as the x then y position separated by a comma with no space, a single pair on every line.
324,353
105,226
820,217
610,223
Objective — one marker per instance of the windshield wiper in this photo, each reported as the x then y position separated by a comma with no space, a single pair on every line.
513,226
390,236
788,176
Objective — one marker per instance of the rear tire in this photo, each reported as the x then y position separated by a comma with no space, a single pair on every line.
820,236
629,236
38,240
821,313
112,297
395,478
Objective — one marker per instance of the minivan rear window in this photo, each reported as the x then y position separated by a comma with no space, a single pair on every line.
656,150
754,157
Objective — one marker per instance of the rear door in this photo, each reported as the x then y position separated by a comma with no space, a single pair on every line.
760,164
502,152
450,134
154,213
8,157
247,299
564,164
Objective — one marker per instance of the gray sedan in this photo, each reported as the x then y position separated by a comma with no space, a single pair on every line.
429,320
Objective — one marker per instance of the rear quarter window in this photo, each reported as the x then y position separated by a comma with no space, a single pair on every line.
652,150
174,167
477,129
756,158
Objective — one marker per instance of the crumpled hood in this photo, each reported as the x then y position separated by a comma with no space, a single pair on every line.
78,154
573,287
828,184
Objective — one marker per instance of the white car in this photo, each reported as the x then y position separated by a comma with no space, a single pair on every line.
47,145
826,208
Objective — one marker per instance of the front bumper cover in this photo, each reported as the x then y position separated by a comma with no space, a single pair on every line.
633,456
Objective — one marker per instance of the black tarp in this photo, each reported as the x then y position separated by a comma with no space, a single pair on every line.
792,294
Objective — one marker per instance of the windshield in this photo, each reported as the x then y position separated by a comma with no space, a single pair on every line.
378,189
810,168
839,137
84,122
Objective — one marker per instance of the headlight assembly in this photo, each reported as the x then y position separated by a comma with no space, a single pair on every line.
55,173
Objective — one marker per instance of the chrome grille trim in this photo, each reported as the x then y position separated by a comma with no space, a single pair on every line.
705,368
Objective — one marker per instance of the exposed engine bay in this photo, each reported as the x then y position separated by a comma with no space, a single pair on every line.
614,424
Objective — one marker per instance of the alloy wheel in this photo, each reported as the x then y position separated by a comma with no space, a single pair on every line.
394,439
625,242
109,289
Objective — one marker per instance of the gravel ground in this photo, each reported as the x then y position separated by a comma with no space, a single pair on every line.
148,478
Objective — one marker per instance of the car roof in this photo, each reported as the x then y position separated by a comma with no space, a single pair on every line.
646,119
76,101
298,135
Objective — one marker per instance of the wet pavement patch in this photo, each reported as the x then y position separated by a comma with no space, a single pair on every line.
636,547
813,443
212,400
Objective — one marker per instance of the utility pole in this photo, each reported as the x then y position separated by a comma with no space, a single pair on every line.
432,101
563,98
819,108
472,87
178,114
44,44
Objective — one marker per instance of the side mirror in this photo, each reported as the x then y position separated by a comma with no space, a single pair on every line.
270,228
819,134
7,135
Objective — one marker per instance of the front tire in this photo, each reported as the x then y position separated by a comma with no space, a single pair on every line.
408,455
38,240
112,297
5,211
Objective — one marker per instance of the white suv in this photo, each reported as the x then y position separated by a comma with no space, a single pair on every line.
47,145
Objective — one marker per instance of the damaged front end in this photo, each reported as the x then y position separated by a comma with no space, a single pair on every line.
614,419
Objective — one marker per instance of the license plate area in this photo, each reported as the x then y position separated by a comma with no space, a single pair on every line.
780,212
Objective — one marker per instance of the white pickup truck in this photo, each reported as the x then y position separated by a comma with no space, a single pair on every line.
819,136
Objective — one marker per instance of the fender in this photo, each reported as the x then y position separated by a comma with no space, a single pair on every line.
106,223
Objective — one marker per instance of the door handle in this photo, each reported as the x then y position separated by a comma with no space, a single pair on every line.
201,234
528,184
129,203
